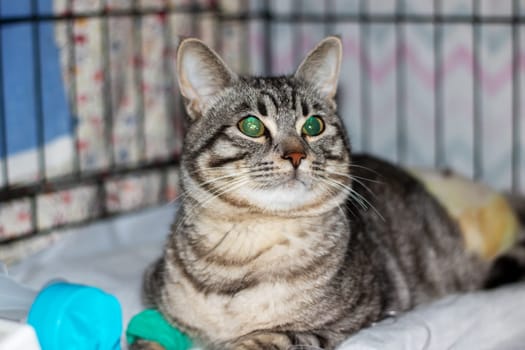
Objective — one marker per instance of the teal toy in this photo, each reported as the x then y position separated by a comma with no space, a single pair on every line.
151,325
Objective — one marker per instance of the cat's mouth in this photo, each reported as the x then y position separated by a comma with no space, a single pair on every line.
291,181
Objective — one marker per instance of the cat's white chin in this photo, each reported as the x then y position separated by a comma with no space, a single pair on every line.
286,196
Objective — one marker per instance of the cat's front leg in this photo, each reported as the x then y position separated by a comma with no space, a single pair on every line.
277,341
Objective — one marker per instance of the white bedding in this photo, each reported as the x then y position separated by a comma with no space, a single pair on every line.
112,255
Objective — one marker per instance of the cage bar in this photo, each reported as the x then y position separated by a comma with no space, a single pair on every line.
71,67
138,66
378,18
168,90
516,103
328,13
477,153
401,123
219,45
364,33
37,92
107,85
194,19
266,13
297,32
3,130
439,127
244,50
168,83
268,51
123,13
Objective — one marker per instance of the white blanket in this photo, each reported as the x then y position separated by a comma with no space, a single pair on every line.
112,255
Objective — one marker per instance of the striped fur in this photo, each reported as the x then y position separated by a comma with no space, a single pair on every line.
263,255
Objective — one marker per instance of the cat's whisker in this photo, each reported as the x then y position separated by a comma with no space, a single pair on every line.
217,170
366,179
353,165
331,190
236,184
211,181
225,167
218,191
221,241
364,186
354,178
356,196
192,211
216,179
234,168
336,185
225,188
212,249
178,197
244,174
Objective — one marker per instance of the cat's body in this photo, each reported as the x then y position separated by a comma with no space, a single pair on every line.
300,276
282,237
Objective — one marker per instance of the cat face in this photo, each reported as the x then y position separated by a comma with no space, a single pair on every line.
269,144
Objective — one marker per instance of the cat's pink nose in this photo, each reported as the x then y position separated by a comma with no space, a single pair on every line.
295,158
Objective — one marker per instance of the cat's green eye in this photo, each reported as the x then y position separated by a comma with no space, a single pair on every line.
313,126
251,126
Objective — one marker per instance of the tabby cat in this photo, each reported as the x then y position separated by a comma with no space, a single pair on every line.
284,238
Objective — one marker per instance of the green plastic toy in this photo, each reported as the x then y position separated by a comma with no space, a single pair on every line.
151,325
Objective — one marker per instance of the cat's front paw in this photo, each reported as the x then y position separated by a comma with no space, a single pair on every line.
263,341
277,341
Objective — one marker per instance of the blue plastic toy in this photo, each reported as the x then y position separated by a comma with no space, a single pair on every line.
72,316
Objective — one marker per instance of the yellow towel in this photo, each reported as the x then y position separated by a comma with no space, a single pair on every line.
487,221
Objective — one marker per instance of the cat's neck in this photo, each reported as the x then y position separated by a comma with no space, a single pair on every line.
254,241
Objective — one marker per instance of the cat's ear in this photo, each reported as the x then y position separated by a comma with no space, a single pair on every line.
202,74
322,65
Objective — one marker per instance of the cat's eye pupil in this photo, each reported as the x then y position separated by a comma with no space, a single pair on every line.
251,126
313,126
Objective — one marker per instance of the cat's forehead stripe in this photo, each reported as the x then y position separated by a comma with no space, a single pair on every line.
261,107
317,106
243,106
270,98
289,96
304,108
